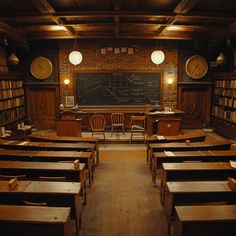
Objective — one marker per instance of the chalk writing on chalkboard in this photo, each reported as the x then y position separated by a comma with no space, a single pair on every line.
118,88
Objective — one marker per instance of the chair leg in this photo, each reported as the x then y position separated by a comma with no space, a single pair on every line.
131,136
123,130
111,130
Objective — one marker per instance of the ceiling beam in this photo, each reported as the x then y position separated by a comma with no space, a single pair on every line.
185,6
128,14
13,34
44,7
223,34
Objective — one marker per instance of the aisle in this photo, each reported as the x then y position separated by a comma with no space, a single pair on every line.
122,200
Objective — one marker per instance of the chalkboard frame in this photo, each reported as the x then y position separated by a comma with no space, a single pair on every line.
159,73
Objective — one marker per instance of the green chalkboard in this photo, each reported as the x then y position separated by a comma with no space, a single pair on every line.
118,88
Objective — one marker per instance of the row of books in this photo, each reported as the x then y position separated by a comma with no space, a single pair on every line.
225,83
9,93
230,92
225,114
11,103
226,101
12,115
10,84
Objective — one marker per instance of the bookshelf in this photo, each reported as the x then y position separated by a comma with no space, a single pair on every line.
12,108
224,105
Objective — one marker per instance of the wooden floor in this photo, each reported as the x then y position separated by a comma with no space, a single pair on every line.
122,200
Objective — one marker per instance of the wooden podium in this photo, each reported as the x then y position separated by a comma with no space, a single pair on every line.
68,127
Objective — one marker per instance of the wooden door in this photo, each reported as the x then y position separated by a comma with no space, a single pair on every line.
195,101
41,107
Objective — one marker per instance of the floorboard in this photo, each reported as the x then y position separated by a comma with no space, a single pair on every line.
122,200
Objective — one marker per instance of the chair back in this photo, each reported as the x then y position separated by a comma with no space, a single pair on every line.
117,118
138,121
98,122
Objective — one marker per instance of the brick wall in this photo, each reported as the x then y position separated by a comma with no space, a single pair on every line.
140,60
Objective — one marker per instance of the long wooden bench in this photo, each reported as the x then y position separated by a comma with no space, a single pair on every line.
192,137
196,192
48,156
37,221
194,171
205,156
189,146
62,194
34,169
205,220
66,139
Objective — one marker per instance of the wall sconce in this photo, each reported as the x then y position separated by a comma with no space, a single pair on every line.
13,60
66,81
170,81
157,57
221,60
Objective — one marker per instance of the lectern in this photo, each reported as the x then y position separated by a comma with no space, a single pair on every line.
68,127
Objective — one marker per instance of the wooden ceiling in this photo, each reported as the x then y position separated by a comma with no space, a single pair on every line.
24,20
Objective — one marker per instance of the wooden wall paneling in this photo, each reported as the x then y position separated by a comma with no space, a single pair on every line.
195,100
42,106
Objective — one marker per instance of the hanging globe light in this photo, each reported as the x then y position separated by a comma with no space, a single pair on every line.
75,57
157,57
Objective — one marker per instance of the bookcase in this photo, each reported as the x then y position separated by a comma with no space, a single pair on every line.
224,105
12,108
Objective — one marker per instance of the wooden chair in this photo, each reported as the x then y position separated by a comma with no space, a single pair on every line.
117,121
137,126
98,124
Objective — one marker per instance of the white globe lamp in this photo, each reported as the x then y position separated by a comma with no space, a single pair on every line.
75,57
157,57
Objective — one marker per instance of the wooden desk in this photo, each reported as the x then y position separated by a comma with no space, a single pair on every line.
28,155
66,194
33,170
192,146
194,171
205,156
50,146
195,192
192,137
152,117
68,127
205,220
65,139
37,221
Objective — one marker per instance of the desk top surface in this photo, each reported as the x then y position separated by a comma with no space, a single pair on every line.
34,214
21,144
197,166
200,213
207,153
47,137
198,186
42,187
34,153
176,137
190,145
164,113
33,165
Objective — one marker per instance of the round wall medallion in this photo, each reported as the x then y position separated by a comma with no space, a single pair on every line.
41,68
196,67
